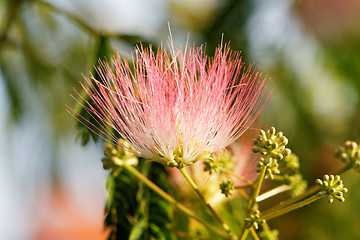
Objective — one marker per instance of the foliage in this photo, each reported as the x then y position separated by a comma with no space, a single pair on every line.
136,212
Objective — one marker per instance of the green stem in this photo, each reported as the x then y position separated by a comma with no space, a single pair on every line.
227,171
273,192
257,187
254,195
243,194
79,21
206,203
290,201
267,231
244,234
73,17
290,208
344,169
254,234
167,197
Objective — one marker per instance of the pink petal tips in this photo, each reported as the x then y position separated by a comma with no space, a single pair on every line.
174,107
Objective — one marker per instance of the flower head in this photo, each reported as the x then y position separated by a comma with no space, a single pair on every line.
174,107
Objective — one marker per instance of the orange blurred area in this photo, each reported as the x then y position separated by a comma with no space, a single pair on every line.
65,220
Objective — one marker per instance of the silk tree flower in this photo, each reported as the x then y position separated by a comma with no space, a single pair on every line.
174,107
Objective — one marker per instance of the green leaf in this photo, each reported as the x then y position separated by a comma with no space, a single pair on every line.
157,232
83,135
137,231
121,204
110,181
110,187
153,209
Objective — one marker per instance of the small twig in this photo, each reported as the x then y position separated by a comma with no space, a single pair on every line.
206,203
273,192
257,187
80,22
243,194
290,208
241,178
73,17
244,234
254,234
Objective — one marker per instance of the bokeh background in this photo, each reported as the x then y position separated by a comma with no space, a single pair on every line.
52,188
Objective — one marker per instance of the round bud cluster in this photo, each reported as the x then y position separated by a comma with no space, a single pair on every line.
254,220
272,167
271,144
349,153
332,187
227,187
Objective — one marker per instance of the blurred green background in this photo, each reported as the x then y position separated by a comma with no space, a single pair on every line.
50,185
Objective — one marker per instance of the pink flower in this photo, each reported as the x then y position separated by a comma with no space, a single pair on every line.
174,107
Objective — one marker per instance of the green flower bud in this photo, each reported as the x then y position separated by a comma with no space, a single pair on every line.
256,149
272,167
109,150
332,187
254,220
227,187
270,144
349,154
107,163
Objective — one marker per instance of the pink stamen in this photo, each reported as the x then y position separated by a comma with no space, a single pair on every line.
174,99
